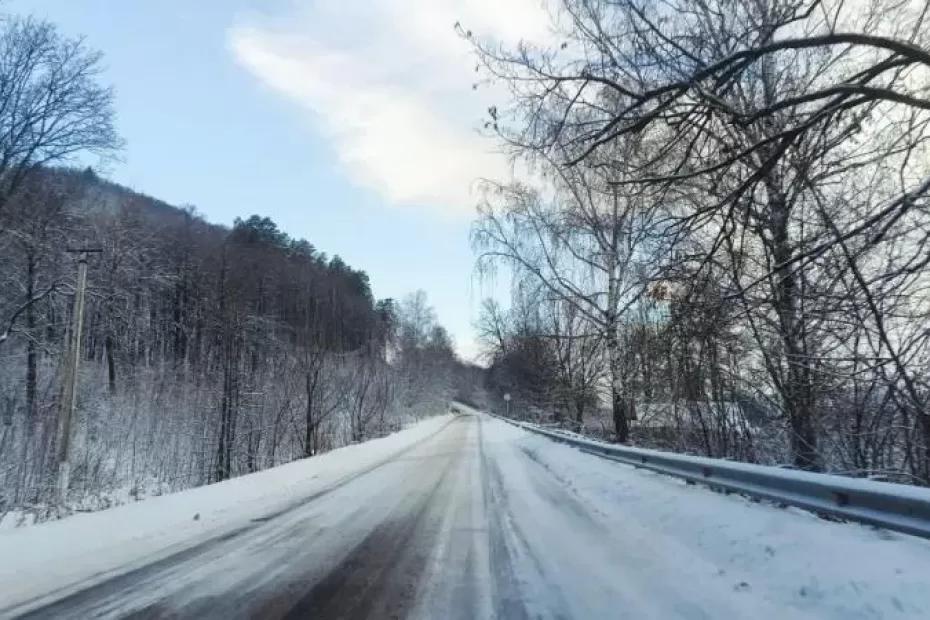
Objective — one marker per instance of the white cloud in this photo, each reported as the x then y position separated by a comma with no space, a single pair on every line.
389,83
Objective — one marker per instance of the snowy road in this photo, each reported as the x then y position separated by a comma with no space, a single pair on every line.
482,520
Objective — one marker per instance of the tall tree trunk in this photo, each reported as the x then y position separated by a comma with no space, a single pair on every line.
617,380
228,407
180,318
923,418
797,386
310,422
229,333
111,363
618,402
32,372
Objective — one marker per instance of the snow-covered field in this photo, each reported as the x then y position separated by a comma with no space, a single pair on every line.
462,517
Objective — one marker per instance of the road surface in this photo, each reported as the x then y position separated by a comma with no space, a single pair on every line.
466,523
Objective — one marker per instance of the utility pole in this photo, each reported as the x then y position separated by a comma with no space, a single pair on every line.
70,377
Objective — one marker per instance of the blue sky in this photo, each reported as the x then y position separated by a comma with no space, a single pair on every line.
350,124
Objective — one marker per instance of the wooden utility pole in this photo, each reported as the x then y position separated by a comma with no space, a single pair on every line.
70,376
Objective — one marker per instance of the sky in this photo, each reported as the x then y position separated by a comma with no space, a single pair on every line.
351,124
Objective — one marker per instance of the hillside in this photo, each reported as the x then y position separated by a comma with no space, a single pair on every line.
207,351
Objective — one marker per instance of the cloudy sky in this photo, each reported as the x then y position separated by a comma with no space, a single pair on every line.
352,124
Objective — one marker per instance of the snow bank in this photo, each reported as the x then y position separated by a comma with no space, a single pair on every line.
61,556
727,549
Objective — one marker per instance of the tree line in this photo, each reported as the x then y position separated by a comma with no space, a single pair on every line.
727,228
207,351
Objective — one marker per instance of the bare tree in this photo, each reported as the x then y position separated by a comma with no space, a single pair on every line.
585,243
51,108
51,104
579,356
790,139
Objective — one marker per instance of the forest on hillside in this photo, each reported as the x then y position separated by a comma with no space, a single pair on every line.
724,247
206,352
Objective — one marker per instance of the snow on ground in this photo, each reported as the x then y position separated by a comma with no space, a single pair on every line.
480,520
722,551
87,548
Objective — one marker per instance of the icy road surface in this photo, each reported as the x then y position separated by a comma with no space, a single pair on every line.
468,518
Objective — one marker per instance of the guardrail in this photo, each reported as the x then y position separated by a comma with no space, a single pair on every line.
898,507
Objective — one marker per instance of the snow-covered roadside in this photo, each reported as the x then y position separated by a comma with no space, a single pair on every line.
85,548
729,552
